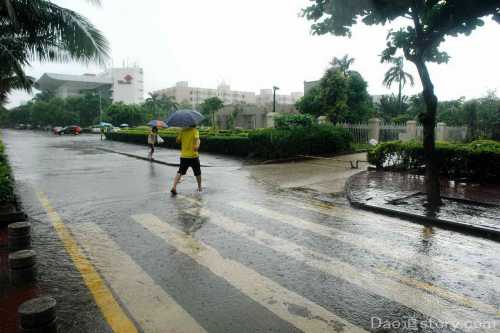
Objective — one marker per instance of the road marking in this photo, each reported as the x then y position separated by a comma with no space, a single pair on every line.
153,309
349,213
259,288
416,299
111,310
375,246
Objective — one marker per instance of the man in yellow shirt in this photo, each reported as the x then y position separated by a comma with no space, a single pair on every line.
189,138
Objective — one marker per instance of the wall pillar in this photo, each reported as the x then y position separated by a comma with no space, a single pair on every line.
374,129
270,117
323,120
441,132
411,130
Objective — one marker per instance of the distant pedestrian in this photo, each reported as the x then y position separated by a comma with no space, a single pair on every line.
189,138
102,133
152,141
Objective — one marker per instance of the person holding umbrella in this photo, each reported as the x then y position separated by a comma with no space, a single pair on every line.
152,140
153,137
189,138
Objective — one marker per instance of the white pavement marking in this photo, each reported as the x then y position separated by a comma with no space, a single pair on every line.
376,246
421,301
259,288
151,307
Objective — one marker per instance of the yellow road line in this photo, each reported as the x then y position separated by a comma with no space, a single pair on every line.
153,309
111,310
376,246
381,282
259,288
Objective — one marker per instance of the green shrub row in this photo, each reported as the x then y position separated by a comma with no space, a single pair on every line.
6,180
229,145
294,141
263,143
478,160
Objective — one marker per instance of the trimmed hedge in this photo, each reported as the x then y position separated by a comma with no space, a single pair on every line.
309,140
220,144
263,143
6,180
478,160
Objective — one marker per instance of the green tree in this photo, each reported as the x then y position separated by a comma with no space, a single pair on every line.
342,98
390,109
397,74
159,106
210,106
359,101
311,103
120,113
343,63
41,30
429,23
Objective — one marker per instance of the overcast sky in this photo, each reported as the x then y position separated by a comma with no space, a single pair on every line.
260,43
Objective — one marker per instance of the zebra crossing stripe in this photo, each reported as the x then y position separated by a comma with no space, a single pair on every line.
150,306
376,246
262,290
384,284
113,313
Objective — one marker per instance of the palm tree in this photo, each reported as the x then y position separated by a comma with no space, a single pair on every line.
397,74
41,30
342,63
161,105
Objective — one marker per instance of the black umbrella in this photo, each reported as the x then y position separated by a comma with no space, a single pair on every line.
184,118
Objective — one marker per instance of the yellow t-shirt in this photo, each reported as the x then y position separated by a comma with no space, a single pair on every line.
188,138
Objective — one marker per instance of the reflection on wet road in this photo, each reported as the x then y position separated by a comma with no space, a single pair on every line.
241,257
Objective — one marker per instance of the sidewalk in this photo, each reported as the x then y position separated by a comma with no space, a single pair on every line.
323,175
467,207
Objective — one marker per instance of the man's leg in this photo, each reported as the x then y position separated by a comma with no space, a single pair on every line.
184,165
176,181
197,172
198,179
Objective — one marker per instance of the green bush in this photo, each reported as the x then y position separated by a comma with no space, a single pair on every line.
6,181
313,140
478,160
264,143
221,144
288,121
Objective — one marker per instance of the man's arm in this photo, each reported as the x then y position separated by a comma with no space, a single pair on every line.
197,144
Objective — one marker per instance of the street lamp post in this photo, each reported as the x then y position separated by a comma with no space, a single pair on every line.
274,98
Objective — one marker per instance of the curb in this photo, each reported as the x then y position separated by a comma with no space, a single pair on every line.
466,228
147,159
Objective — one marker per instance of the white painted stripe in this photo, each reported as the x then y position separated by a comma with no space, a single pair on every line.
151,307
383,283
259,288
376,246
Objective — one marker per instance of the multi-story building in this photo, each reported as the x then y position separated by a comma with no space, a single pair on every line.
121,84
266,97
183,93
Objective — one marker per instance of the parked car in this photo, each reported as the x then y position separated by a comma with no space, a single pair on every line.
75,130
57,129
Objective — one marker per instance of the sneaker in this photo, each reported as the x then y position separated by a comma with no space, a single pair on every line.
173,192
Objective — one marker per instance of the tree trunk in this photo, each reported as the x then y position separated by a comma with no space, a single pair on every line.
429,122
400,96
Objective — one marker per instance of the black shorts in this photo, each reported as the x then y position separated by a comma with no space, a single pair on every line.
194,163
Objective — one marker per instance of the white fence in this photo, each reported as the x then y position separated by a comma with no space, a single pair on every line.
383,132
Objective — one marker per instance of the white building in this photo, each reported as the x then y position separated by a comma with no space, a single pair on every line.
183,93
123,84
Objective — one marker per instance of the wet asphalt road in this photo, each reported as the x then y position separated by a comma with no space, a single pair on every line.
120,254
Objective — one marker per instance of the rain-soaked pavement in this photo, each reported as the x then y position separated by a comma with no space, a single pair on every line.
120,255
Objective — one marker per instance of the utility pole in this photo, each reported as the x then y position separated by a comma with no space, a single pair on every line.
100,108
274,98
